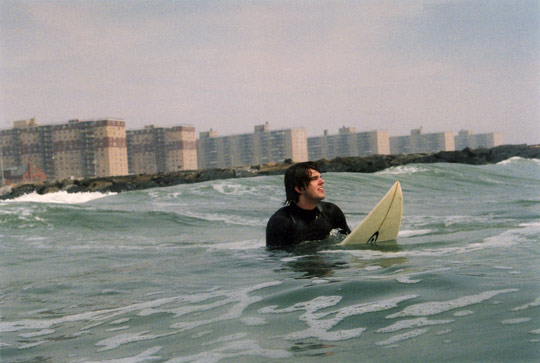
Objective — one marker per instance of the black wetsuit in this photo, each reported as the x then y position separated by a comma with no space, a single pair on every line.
291,224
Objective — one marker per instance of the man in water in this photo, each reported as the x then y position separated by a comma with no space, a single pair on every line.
305,217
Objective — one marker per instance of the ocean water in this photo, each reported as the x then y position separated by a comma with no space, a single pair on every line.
181,274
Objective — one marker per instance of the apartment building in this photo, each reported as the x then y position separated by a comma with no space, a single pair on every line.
348,142
78,148
158,149
418,142
465,138
262,146
26,143
90,148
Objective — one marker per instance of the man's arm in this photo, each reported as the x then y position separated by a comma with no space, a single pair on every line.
338,219
278,232
343,226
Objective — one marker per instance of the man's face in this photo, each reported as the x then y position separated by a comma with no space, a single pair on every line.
314,191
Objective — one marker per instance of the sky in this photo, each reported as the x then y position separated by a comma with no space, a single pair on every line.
444,65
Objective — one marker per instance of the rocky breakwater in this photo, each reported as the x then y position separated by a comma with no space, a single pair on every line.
142,181
480,156
361,164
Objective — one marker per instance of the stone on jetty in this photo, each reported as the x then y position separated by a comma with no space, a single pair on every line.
355,164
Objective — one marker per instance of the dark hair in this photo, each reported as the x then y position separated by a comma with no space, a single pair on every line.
298,175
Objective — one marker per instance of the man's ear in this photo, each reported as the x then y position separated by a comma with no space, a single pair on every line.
299,190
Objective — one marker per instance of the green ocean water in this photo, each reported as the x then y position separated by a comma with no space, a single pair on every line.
181,274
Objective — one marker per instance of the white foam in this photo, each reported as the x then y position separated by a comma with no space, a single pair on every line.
503,267
37,333
119,321
407,280
227,338
437,307
325,335
411,233
402,169
145,356
232,350
412,323
125,327
78,334
225,218
61,197
530,224
32,345
239,245
201,334
505,239
514,159
240,300
508,161
444,332
408,335
533,304
318,326
515,321
535,332
96,317
318,303
253,321
319,281
118,340
231,189
292,258
463,313
372,268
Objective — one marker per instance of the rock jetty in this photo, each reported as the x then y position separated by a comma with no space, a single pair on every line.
355,164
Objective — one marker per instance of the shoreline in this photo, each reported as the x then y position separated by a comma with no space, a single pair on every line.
355,164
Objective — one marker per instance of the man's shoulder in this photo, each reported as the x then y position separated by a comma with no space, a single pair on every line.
279,225
328,206
330,209
323,203
281,213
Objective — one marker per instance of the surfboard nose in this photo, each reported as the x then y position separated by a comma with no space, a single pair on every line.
383,222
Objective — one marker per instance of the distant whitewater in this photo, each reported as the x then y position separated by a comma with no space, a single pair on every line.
61,197
181,274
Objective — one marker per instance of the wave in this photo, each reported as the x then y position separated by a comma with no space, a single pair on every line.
511,237
79,217
519,160
239,188
402,169
412,233
225,218
61,197
239,245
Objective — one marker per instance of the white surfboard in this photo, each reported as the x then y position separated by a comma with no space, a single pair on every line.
382,223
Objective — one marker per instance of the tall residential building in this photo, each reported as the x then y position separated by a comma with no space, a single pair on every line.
90,148
158,149
27,143
261,146
348,142
76,149
465,138
418,142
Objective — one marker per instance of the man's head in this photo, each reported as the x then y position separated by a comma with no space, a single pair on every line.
303,180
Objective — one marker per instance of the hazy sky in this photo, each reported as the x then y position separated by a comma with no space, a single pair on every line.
230,65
